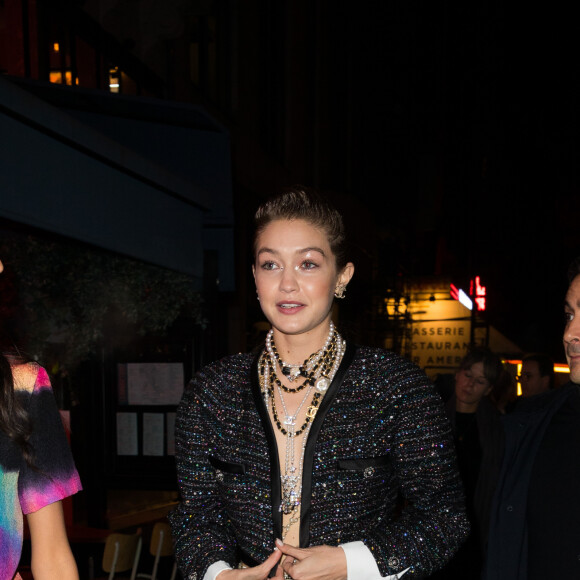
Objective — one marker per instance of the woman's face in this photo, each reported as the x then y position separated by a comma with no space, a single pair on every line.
471,385
295,274
1,267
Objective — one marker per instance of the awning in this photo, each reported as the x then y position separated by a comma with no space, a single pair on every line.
142,177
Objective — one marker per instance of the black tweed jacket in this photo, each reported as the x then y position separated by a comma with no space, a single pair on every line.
379,467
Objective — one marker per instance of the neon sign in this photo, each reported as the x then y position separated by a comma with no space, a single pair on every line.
476,290
458,294
479,293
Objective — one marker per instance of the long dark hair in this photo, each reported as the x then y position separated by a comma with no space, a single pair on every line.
14,419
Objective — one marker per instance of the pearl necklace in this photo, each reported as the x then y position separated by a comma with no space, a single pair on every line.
320,374
317,374
293,371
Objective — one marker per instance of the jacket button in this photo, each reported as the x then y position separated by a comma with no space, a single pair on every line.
510,508
393,562
369,471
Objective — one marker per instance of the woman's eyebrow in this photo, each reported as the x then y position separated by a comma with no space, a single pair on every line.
311,249
267,250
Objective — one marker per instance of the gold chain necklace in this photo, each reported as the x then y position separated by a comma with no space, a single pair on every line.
309,369
319,375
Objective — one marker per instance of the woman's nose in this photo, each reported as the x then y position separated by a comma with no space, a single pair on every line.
288,279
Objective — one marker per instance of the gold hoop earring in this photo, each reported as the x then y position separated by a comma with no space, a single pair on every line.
340,291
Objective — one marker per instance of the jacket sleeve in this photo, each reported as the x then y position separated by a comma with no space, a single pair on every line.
199,525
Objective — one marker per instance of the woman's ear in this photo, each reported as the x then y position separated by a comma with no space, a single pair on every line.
346,274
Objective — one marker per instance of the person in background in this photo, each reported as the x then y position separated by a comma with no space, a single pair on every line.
537,374
36,472
534,532
478,439
292,460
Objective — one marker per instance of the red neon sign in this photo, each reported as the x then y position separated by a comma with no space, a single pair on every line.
476,291
454,292
479,294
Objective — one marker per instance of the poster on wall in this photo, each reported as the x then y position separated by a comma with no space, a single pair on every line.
150,383
153,432
127,435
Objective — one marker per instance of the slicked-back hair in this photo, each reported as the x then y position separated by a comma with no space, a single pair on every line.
301,203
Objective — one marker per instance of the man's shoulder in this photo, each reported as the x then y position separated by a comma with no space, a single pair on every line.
548,400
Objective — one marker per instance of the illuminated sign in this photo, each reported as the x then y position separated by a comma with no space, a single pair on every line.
440,344
480,292
454,292
458,294
476,290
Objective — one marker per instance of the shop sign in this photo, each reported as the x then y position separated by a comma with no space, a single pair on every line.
439,344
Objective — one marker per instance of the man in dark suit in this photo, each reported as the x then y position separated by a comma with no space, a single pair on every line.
535,520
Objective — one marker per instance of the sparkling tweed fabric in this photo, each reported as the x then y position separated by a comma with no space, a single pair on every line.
379,467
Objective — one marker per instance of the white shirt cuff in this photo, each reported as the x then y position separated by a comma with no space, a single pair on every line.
361,565
215,569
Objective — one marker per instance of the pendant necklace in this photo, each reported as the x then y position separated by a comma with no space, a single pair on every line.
291,370
290,481
318,370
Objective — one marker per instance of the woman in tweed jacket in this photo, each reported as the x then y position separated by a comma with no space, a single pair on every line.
313,459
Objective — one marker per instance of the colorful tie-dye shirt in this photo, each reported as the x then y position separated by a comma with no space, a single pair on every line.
23,489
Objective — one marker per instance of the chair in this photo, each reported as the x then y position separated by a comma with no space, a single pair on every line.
160,545
122,553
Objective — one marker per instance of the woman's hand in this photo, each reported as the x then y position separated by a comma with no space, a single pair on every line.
256,573
315,563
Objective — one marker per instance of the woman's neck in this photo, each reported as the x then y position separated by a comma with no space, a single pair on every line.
465,407
295,348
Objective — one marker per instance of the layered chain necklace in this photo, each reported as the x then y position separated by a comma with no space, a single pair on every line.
317,371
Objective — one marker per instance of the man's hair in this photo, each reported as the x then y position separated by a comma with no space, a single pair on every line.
573,269
545,365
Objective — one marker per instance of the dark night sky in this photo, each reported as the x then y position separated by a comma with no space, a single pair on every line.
463,128
461,122
467,130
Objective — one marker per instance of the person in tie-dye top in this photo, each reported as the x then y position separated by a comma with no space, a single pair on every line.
37,471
